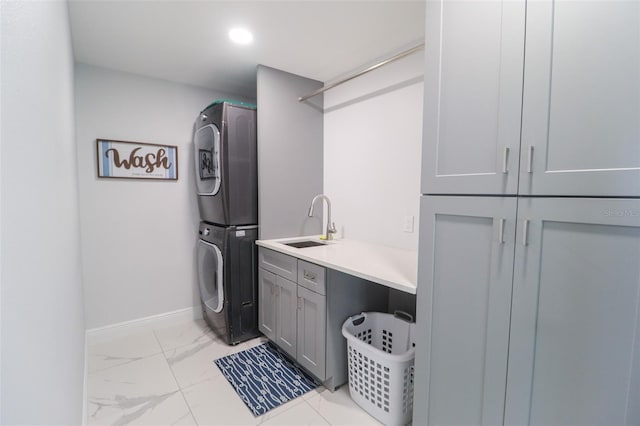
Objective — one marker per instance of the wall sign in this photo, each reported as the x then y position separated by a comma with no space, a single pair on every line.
136,160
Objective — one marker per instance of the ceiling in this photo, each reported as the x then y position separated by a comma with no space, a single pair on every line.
187,41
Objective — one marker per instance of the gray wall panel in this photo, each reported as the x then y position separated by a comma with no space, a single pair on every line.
290,154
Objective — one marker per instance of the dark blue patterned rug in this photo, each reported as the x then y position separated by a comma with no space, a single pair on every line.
264,378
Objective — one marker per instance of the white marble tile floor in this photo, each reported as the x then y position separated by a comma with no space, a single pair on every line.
166,376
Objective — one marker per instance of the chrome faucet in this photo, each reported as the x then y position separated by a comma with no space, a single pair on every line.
331,227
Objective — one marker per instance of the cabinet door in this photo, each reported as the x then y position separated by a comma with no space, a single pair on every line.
463,307
287,315
581,101
312,324
574,356
473,96
267,289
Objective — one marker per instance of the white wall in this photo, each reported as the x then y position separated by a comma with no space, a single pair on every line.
42,315
372,143
138,237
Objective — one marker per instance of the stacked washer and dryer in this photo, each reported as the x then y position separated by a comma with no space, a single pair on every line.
227,185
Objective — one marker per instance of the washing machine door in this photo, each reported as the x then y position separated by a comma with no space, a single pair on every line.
207,156
210,276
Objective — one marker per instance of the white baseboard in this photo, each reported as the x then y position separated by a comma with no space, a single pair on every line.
100,334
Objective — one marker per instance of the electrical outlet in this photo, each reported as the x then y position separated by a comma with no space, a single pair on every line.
408,224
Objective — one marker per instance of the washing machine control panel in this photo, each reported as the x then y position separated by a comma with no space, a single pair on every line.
212,234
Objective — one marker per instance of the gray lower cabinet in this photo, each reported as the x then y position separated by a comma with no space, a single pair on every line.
465,275
304,318
529,318
291,314
267,296
312,326
574,353
286,314
278,310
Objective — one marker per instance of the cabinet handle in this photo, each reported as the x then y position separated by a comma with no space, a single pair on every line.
501,231
505,158
530,160
299,303
525,232
309,276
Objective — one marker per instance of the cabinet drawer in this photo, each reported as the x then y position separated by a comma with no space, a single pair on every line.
278,263
311,276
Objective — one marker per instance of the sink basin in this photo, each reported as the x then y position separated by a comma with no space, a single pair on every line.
304,244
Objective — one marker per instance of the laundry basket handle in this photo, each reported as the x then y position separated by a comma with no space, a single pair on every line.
358,319
403,316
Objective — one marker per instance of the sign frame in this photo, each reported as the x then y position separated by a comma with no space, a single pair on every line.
136,160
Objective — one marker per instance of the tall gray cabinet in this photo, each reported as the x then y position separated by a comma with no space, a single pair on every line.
529,272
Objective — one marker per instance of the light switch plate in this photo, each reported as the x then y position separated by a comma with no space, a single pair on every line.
408,224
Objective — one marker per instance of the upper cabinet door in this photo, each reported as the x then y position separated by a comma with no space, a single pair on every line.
581,101
473,96
574,353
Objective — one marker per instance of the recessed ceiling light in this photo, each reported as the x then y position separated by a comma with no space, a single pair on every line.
241,36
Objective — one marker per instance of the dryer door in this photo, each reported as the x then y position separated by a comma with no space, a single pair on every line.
210,276
207,156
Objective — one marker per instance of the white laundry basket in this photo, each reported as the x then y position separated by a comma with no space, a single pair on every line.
381,352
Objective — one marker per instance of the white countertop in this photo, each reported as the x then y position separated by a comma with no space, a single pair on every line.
391,267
